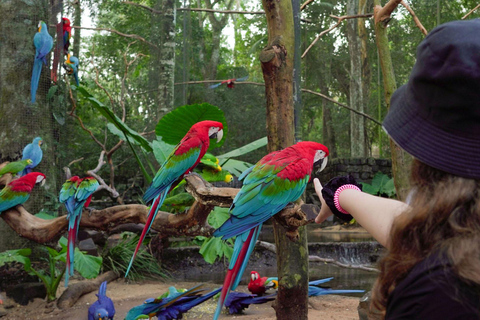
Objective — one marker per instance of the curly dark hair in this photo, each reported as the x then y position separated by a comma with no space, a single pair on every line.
444,216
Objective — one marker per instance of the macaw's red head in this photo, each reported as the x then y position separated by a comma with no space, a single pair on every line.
254,275
66,21
30,179
213,129
314,150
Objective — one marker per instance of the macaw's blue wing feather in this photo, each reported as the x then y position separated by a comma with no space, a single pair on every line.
242,78
238,301
213,86
37,69
43,42
319,291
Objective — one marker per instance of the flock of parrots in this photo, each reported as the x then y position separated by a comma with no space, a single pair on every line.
278,179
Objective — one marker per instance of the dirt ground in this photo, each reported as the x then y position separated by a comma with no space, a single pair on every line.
127,295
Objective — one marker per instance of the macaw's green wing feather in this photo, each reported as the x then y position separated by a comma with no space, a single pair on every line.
9,198
86,188
172,169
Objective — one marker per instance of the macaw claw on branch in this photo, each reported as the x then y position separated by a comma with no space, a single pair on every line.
182,160
18,191
230,82
277,179
43,42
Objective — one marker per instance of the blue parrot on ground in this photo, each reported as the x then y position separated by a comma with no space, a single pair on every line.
236,302
171,306
103,308
71,65
182,160
276,180
76,194
34,152
43,42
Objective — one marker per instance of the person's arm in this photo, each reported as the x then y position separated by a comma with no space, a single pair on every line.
373,213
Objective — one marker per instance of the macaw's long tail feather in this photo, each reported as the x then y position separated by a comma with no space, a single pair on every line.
72,233
320,281
251,246
238,258
157,203
102,291
37,69
317,291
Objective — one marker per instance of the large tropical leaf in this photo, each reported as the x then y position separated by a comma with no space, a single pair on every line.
161,150
174,125
20,255
244,150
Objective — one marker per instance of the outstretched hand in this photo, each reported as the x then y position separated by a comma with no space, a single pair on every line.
325,211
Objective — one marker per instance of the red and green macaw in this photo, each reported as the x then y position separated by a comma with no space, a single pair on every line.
34,152
71,65
18,191
182,160
64,33
76,194
259,285
15,167
276,180
43,42
230,82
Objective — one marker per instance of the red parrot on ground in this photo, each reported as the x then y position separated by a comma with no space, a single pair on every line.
182,160
258,285
230,82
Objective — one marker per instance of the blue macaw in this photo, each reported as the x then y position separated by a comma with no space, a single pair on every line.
276,180
76,194
166,307
103,308
182,160
43,42
71,65
236,302
32,151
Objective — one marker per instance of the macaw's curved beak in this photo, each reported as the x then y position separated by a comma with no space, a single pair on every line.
219,135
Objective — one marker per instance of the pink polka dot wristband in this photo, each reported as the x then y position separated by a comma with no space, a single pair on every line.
337,194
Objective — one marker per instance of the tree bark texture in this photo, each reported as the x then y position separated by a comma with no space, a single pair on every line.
357,122
277,67
401,160
366,74
20,120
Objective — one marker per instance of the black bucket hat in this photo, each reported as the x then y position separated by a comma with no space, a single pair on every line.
436,116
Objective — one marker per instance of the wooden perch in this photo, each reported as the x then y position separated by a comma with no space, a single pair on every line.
191,223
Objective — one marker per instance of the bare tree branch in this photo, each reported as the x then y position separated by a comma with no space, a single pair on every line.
470,12
339,21
134,36
384,13
415,18
221,11
305,4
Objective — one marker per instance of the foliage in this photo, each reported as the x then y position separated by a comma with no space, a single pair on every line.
117,258
381,185
88,266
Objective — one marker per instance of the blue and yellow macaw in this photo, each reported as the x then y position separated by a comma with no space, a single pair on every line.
32,151
76,194
71,65
182,160
43,42
276,180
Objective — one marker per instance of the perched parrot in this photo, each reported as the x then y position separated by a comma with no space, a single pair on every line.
76,194
236,302
71,65
270,185
259,285
32,151
230,82
18,191
43,42
15,167
158,307
103,308
64,33
182,160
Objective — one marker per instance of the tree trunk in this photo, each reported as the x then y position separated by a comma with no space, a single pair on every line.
163,57
20,120
357,122
401,160
366,74
277,66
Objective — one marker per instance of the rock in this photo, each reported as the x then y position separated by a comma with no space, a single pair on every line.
23,293
89,246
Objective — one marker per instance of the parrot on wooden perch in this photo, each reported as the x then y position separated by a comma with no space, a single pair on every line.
71,65
64,33
270,185
18,191
76,194
43,42
32,151
182,160
103,308
236,302
230,82
170,306
15,167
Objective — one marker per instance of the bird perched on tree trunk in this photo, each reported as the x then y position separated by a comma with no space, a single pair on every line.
43,42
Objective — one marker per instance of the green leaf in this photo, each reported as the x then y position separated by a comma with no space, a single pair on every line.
19,255
161,150
369,188
218,216
114,130
245,149
112,118
213,248
87,265
173,126
51,92
236,167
